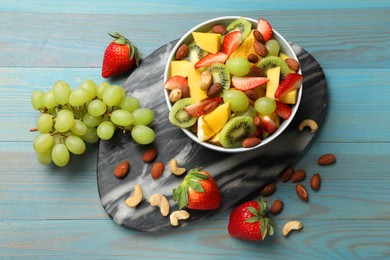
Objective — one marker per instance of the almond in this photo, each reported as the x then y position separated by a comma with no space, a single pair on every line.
260,49
257,121
210,107
250,142
258,36
268,189
252,58
298,175
214,89
292,63
219,28
157,170
286,174
122,169
276,207
315,181
150,154
182,52
327,159
301,192
185,91
251,94
255,71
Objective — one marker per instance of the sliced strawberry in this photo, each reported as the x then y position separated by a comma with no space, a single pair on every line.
175,82
246,83
268,124
283,110
210,59
231,42
265,28
203,107
292,82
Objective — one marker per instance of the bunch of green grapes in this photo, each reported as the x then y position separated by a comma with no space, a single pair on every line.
70,118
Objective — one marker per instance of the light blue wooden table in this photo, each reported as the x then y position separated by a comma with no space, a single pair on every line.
55,213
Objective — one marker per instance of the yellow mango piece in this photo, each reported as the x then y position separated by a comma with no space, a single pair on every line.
245,48
210,42
217,118
273,74
180,67
204,132
196,93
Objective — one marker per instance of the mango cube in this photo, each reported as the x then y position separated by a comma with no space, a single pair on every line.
217,118
210,42
196,93
180,67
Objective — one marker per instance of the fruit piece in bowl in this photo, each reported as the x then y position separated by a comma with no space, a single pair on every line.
232,78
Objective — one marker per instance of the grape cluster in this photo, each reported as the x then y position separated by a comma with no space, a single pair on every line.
70,118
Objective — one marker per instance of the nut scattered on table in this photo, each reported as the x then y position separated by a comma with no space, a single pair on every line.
157,170
310,123
135,198
286,174
122,169
175,169
178,215
327,159
276,207
150,154
302,192
160,201
268,189
315,181
298,175
290,226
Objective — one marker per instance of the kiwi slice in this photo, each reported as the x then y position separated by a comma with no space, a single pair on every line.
272,62
241,24
195,53
179,117
236,130
220,75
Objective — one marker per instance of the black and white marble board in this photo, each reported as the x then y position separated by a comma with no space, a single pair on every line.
239,176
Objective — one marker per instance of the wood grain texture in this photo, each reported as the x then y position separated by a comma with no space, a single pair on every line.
55,213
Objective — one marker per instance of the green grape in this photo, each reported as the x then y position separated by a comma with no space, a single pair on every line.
105,130
36,99
143,134
61,92
142,116
79,128
75,144
60,155
92,121
238,100
238,66
122,117
64,120
43,142
251,112
78,97
48,100
265,105
44,123
96,107
113,95
90,86
273,47
91,136
101,87
129,103
45,157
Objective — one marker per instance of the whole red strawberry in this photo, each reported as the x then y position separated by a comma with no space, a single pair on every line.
120,56
198,191
249,221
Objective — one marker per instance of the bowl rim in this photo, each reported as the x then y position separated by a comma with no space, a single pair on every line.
283,125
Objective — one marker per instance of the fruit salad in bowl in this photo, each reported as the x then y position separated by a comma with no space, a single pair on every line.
232,83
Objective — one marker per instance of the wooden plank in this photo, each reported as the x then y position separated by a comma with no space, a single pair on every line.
331,239
53,40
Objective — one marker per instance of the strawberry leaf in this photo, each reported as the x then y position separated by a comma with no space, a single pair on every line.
196,186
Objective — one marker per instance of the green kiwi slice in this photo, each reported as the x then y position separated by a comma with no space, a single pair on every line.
241,24
195,53
220,75
179,117
236,130
272,62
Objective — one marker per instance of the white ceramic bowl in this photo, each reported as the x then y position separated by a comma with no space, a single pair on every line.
206,26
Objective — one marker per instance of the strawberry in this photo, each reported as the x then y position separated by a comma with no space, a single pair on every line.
231,42
283,110
249,221
198,191
120,56
203,107
210,58
292,82
175,82
265,28
246,83
269,125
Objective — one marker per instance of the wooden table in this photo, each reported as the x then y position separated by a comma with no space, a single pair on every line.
48,212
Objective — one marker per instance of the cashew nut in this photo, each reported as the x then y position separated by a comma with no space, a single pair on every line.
308,123
175,95
178,215
175,169
292,225
205,80
135,198
160,201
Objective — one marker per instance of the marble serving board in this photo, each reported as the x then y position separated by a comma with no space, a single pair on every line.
239,176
